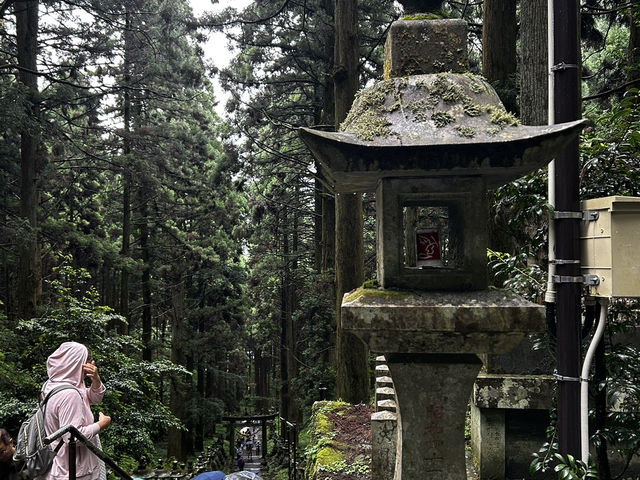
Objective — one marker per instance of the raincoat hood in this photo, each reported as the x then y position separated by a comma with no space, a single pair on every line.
65,364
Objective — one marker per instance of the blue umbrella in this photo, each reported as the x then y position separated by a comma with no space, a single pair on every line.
243,475
215,475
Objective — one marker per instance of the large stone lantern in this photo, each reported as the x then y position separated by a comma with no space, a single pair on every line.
430,144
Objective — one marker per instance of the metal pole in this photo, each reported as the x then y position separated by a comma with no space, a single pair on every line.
72,457
566,71
264,438
295,451
232,446
288,446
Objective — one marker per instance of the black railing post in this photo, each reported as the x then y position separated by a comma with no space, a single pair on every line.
72,457
264,438
232,440
288,447
295,451
75,435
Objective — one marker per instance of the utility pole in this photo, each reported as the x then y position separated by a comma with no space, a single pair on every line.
566,71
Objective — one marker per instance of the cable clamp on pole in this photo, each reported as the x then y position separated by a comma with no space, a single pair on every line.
567,279
585,216
558,261
562,378
590,215
563,66
591,280
584,279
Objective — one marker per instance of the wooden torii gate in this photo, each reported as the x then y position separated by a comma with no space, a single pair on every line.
233,420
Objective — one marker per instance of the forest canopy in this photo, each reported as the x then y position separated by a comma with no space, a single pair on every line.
195,255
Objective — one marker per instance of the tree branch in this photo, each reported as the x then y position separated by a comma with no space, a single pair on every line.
8,66
619,88
4,6
246,22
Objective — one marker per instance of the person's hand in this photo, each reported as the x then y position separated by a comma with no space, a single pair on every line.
103,421
91,371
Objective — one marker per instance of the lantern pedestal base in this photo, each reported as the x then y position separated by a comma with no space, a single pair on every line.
432,393
430,341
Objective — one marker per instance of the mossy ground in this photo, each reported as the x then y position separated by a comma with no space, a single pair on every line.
341,442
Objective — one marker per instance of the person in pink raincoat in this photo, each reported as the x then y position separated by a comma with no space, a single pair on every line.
69,365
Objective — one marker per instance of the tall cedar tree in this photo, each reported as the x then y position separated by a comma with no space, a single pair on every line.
281,79
186,211
352,376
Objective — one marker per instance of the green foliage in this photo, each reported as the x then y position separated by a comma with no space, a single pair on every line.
569,468
619,433
610,163
514,273
74,315
314,317
543,458
605,56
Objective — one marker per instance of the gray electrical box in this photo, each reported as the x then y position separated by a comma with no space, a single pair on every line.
610,245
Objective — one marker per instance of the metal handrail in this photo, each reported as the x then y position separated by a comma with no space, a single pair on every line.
75,434
293,456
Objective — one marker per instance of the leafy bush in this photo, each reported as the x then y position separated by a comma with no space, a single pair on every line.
132,398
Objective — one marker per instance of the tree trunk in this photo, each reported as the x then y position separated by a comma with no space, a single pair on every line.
179,387
29,276
290,289
328,230
288,370
534,85
145,248
328,205
203,418
285,382
634,45
125,251
352,376
261,375
499,58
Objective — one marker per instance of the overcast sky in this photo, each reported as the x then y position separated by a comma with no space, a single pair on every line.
216,49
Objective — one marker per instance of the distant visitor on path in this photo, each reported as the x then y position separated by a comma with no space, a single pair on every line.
249,447
69,365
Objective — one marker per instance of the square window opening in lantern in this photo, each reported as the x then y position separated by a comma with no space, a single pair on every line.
427,240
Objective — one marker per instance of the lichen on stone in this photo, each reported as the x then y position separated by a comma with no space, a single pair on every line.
493,131
422,83
442,119
445,89
475,85
501,117
453,94
438,65
421,108
328,456
424,16
463,131
370,125
470,108
366,119
371,284
373,294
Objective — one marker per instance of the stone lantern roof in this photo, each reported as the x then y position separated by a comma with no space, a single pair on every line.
433,124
